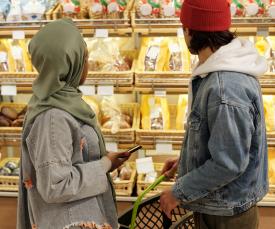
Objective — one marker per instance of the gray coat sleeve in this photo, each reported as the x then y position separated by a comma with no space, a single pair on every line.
51,144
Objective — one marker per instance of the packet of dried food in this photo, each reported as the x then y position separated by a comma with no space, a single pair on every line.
116,8
175,60
237,8
15,13
97,9
71,8
153,54
148,8
254,8
170,8
33,10
105,55
4,9
155,113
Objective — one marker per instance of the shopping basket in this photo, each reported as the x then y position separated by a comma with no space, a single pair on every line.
148,215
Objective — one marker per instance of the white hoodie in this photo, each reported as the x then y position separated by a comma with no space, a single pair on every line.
238,56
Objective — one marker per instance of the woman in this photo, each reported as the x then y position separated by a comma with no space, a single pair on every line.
64,180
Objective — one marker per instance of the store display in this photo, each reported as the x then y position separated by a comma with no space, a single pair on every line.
155,113
9,167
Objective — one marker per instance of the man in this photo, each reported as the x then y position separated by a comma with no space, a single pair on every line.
222,170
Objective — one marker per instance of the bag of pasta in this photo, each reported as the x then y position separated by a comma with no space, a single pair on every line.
148,8
97,9
116,8
181,112
155,113
153,54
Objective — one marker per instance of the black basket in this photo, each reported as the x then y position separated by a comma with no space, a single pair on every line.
150,216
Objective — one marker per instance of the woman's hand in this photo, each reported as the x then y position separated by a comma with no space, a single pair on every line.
117,159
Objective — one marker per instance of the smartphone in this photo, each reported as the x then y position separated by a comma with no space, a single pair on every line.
132,150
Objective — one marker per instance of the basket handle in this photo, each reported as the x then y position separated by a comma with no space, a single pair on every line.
139,199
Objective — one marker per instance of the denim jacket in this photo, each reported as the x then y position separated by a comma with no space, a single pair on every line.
223,164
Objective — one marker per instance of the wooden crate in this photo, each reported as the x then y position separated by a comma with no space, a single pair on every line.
9,183
125,136
148,138
142,185
125,187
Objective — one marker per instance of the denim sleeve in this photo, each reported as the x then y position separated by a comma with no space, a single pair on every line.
231,129
58,180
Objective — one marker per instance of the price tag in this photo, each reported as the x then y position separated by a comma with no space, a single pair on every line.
87,90
112,146
160,93
164,148
105,90
145,165
8,90
180,32
16,53
18,35
101,33
262,31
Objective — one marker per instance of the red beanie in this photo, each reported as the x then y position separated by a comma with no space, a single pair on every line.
206,15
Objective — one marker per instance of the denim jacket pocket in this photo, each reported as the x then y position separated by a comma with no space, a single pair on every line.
194,121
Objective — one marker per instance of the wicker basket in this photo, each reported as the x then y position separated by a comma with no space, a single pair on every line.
142,185
11,135
9,183
125,136
148,138
125,187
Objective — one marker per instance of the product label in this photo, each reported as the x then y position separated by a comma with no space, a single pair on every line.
96,8
18,35
252,9
68,8
105,90
146,9
3,57
16,53
271,11
164,148
8,90
153,52
113,7
145,165
87,90
101,33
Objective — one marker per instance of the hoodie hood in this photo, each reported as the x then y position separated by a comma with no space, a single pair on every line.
238,56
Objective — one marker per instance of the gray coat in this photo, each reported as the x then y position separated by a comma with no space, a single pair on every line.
63,179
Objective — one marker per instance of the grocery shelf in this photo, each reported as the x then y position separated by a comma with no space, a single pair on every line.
87,26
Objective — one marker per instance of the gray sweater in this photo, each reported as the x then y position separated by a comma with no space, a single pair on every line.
63,179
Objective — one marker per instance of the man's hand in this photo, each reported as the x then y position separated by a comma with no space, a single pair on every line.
117,159
170,167
168,202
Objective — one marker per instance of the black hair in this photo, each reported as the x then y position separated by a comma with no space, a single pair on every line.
214,40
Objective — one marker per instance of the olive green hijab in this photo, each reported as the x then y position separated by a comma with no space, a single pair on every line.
58,52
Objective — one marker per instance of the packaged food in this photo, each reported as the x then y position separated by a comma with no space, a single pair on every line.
262,45
170,8
153,54
33,10
271,9
155,113
271,58
112,117
4,57
105,56
15,13
93,104
97,9
271,166
254,8
181,112
116,8
148,8
4,9
71,8
22,62
269,111
237,8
